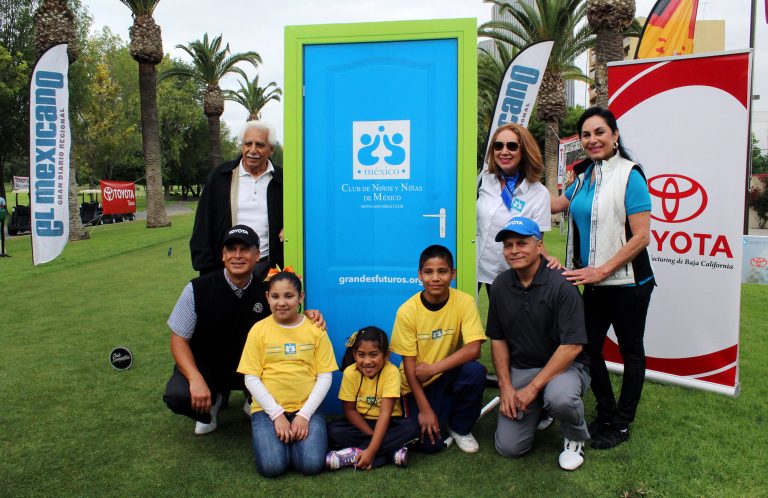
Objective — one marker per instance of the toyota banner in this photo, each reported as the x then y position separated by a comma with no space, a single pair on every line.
118,197
685,120
754,269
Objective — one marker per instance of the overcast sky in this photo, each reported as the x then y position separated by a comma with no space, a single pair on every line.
258,25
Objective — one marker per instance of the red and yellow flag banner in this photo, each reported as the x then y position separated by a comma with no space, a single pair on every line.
669,29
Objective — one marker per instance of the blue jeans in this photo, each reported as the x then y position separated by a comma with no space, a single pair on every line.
273,457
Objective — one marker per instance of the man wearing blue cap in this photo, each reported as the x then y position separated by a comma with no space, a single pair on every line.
536,324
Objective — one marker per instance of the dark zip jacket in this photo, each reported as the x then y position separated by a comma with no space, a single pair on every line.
214,217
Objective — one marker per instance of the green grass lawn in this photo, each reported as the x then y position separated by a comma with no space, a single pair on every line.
73,426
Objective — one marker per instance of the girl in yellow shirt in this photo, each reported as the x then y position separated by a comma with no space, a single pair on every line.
374,430
287,362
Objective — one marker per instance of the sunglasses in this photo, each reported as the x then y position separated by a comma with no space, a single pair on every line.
511,146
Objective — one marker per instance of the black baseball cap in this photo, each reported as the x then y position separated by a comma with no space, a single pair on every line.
244,234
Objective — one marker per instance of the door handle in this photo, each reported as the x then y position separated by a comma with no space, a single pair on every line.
441,215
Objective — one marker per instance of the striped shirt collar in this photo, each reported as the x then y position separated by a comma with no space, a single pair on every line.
237,290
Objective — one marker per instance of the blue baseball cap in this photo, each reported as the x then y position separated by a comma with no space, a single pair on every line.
519,225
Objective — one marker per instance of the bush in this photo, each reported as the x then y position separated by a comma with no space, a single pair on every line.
758,199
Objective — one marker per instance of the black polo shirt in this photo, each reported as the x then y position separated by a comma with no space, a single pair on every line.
536,320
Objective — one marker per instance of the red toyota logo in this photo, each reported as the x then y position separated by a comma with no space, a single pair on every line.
682,198
758,262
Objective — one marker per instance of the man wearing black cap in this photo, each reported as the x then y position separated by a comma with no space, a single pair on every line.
209,325
536,323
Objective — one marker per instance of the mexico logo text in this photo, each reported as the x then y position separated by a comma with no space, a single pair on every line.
381,150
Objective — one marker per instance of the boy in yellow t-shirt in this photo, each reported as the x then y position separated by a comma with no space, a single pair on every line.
438,333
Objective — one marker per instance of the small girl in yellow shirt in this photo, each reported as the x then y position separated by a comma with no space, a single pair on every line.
374,430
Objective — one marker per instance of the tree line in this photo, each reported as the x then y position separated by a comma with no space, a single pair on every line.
110,101
148,125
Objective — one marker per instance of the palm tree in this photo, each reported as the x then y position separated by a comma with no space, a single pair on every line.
54,24
147,49
609,20
210,62
253,97
561,21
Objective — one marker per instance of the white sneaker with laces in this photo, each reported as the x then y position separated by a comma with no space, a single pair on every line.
572,456
467,443
202,428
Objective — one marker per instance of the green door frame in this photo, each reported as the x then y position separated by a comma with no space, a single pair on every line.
462,30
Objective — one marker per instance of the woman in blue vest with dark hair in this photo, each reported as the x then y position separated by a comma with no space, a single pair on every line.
608,232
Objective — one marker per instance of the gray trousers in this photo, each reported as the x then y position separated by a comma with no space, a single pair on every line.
561,397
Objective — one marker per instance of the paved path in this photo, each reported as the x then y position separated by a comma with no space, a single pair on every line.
174,210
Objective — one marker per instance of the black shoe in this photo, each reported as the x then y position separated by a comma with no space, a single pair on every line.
491,381
596,428
610,437
225,399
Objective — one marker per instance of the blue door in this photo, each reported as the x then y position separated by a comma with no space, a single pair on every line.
380,171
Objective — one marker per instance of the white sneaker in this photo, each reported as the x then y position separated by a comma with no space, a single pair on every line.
201,428
572,456
467,444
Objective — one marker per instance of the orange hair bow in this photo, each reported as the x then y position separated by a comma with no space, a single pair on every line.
274,271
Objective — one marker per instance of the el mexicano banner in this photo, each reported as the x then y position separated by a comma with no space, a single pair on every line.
49,144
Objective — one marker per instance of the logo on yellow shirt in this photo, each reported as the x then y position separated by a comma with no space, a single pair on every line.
371,400
290,348
437,334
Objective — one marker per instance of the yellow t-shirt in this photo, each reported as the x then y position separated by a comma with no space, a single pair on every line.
287,359
368,393
431,336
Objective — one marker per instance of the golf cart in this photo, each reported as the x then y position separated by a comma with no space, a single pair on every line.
20,219
91,210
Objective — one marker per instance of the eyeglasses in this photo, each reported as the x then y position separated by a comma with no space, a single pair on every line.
511,146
